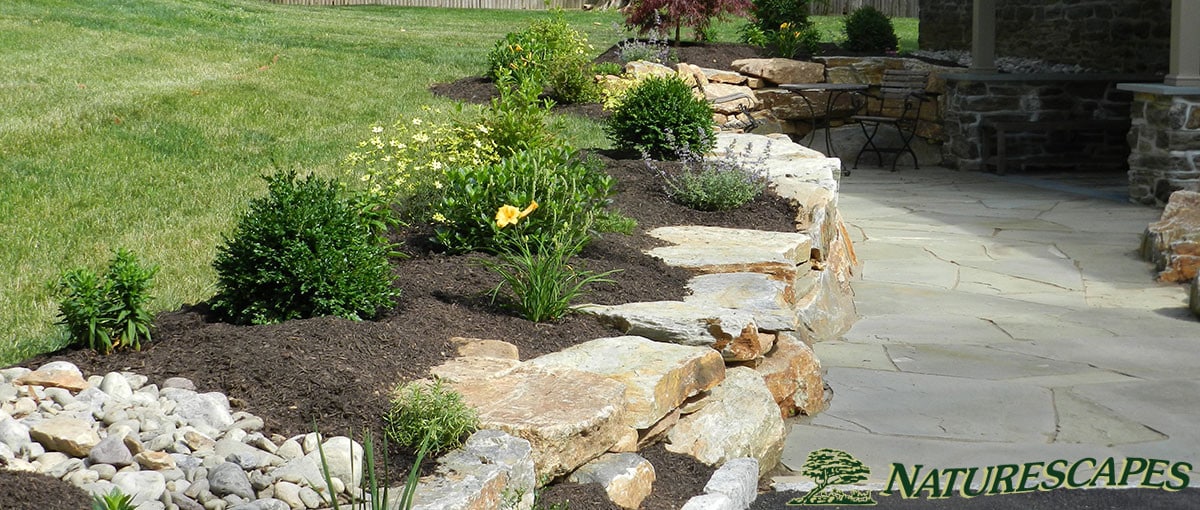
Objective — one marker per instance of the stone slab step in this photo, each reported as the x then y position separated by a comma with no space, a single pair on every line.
732,332
709,250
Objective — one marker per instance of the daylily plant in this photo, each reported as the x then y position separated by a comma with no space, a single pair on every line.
510,215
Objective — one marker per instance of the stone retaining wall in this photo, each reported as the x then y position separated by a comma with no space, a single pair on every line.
1126,36
974,101
1166,141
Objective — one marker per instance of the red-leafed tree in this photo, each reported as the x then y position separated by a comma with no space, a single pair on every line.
649,15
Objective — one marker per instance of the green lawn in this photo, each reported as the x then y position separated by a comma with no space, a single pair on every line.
145,124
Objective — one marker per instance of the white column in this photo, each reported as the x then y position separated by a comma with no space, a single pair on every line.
1185,44
983,36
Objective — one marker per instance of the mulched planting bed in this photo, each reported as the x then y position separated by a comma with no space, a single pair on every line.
339,372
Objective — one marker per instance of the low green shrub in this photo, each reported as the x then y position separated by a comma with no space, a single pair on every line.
608,68
517,120
568,188
547,53
613,221
429,416
868,29
716,183
302,251
571,81
660,114
107,312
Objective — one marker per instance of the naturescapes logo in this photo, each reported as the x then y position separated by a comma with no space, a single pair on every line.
1037,476
828,467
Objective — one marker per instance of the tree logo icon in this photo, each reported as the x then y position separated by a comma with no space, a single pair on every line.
828,467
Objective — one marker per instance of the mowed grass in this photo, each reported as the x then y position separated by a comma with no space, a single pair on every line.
146,124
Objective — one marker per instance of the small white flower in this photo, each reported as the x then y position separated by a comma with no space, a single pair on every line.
416,122
377,129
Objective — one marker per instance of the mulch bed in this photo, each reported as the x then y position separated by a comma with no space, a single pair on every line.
339,372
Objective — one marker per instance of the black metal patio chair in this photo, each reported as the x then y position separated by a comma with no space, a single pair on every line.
901,92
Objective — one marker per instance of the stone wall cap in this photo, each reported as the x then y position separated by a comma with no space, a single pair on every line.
1052,77
1160,89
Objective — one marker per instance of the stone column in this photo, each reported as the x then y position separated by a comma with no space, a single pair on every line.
1185,43
983,36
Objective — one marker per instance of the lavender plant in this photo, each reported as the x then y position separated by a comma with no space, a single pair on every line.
717,183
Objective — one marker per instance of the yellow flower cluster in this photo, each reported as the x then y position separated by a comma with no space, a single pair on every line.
509,215
410,157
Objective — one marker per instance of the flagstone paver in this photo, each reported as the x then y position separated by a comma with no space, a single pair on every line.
1001,322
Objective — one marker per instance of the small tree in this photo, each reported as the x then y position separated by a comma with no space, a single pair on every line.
832,467
647,15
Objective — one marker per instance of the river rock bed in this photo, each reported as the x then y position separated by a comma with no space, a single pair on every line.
169,447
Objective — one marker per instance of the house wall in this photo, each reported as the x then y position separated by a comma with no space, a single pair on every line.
1124,36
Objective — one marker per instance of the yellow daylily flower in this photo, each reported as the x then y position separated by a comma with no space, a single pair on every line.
509,215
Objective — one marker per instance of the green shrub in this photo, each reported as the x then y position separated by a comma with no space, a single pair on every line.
660,114
531,50
302,251
770,15
430,416
568,189
716,183
867,29
399,168
108,312
608,68
517,120
571,82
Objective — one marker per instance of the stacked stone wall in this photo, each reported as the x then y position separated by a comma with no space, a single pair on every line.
1165,137
973,106
1127,36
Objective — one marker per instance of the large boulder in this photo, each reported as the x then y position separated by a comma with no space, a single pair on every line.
781,70
742,420
1173,242
568,416
794,377
657,377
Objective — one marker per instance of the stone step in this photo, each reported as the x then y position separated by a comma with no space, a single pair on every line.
657,377
709,250
770,302
569,416
732,332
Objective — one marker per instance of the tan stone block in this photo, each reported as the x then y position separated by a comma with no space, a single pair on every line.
741,421
481,348
67,435
155,461
781,70
627,478
59,374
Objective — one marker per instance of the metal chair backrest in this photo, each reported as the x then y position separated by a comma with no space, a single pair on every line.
904,85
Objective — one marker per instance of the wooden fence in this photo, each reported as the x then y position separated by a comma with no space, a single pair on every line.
894,8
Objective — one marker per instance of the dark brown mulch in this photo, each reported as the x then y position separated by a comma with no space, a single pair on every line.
20,490
338,372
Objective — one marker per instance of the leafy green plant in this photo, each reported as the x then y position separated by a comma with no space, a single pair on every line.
109,312
114,500
770,15
608,68
868,29
659,114
428,416
570,188
716,183
302,251
613,221
792,39
536,269
547,53
517,119
571,81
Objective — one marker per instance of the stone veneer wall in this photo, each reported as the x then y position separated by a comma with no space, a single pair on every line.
973,101
1166,140
1126,36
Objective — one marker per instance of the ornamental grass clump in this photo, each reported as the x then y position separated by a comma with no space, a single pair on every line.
535,268
302,251
660,114
107,312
